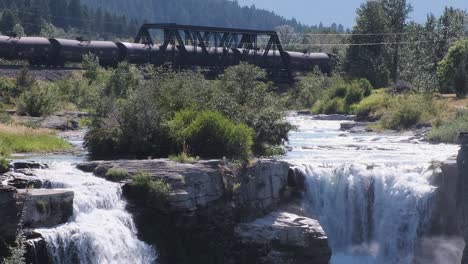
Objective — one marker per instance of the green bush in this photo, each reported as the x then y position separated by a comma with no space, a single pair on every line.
41,207
310,89
4,118
78,91
403,113
212,135
448,132
4,165
40,100
7,87
116,175
453,69
135,106
153,192
372,106
183,158
339,99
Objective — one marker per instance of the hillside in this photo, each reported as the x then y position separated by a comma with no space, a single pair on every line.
222,13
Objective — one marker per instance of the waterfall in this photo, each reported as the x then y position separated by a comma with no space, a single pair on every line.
370,192
100,231
371,213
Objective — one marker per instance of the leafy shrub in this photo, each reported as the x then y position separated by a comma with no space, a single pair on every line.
24,82
453,69
4,165
4,118
448,132
41,207
154,192
339,99
7,88
116,175
372,106
310,89
40,100
331,106
79,92
183,158
212,135
135,106
405,111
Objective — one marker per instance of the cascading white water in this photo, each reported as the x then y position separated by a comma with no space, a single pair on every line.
370,192
100,231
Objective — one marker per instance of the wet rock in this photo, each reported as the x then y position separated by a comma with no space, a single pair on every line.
304,112
286,238
24,182
334,117
354,127
68,120
60,123
46,208
17,165
36,248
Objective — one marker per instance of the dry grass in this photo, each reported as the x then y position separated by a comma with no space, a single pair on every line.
17,138
20,130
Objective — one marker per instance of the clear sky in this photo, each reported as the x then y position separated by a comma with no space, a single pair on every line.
312,12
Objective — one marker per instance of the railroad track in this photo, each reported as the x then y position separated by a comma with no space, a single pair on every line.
38,68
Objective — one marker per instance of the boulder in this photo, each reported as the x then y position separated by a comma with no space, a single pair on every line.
46,208
287,237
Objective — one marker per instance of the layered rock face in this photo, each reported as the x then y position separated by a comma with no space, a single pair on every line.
217,214
462,192
303,237
9,213
46,208
447,233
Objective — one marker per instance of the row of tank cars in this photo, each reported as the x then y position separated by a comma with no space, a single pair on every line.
40,51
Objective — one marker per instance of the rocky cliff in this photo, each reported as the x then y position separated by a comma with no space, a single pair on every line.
444,238
222,213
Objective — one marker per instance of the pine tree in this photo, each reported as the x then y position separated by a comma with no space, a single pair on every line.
8,21
75,14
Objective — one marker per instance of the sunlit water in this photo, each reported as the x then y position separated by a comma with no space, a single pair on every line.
370,192
100,231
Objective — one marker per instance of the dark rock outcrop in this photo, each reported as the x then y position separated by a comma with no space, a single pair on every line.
9,213
462,192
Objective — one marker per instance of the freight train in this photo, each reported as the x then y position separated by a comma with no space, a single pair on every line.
56,52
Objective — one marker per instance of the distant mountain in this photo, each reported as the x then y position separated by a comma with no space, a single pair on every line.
222,13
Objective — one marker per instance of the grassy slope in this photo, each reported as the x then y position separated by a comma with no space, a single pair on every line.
17,138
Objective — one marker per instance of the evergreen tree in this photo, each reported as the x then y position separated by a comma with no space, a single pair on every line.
75,13
8,21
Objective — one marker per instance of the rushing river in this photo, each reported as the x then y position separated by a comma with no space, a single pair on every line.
100,231
370,192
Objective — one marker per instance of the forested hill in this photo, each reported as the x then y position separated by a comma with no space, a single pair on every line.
222,13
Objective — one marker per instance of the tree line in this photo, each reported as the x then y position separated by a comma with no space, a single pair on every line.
35,16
